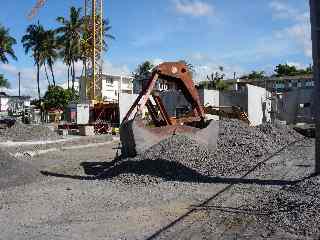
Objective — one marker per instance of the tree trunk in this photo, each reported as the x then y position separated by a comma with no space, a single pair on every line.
68,76
73,75
45,70
52,74
38,80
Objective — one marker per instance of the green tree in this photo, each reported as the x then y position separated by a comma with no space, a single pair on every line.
58,98
285,70
4,82
254,75
289,70
70,38
33,42
6,45
143,70
215,80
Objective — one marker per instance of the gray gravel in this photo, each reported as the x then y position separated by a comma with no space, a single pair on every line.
179,158
72,206
14,172
26,132
294,209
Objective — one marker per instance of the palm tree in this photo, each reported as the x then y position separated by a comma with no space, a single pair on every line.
49,51
33,41
70,37
6,44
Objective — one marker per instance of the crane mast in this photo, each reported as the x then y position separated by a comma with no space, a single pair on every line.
92,84
35,9
94,12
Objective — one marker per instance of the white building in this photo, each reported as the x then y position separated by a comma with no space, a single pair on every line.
4,102
13,103
114,85
65,85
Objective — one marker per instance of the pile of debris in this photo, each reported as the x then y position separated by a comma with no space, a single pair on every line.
14,172
180,158
294,209
25,132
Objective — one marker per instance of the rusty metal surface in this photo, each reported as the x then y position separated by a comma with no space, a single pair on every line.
162,110
178,73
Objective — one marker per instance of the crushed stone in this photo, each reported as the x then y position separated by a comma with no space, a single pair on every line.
27,132
293,209
240,147
14,172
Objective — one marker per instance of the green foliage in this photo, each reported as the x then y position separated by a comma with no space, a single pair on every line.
4,82
215,81
143,70
288,70
76,40
254,75
6,45
221,85
58,98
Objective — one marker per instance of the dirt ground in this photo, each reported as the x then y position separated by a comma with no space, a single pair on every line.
70,201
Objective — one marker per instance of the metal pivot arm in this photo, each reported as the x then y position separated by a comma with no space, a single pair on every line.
178,72
143,97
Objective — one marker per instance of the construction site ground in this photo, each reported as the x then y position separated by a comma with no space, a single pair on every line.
71,199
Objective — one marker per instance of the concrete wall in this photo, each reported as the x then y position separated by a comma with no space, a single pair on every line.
259,105
209,97
173,100
234,98
125,102
296,106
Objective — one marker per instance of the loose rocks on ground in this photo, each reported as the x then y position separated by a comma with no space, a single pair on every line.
294,209
14,172
180,158
25,132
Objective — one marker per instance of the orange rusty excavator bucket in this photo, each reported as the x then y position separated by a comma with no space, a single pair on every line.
136,136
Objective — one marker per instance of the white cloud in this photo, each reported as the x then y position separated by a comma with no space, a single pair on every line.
157,61
298,65
28,76
113,69
194,8
301,33
209,67
300,29
282,10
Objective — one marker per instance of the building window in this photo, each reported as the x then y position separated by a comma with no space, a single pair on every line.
109,81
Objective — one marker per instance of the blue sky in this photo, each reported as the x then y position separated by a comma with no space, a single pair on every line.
240,35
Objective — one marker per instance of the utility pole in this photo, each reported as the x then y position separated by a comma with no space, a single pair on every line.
19,79
315,35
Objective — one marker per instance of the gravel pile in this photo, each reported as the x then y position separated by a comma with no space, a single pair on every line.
14,172
25,132
294,209
240,148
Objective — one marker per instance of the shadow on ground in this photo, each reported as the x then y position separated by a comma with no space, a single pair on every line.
167,170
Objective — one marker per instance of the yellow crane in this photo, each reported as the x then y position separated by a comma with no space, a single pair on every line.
93,10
